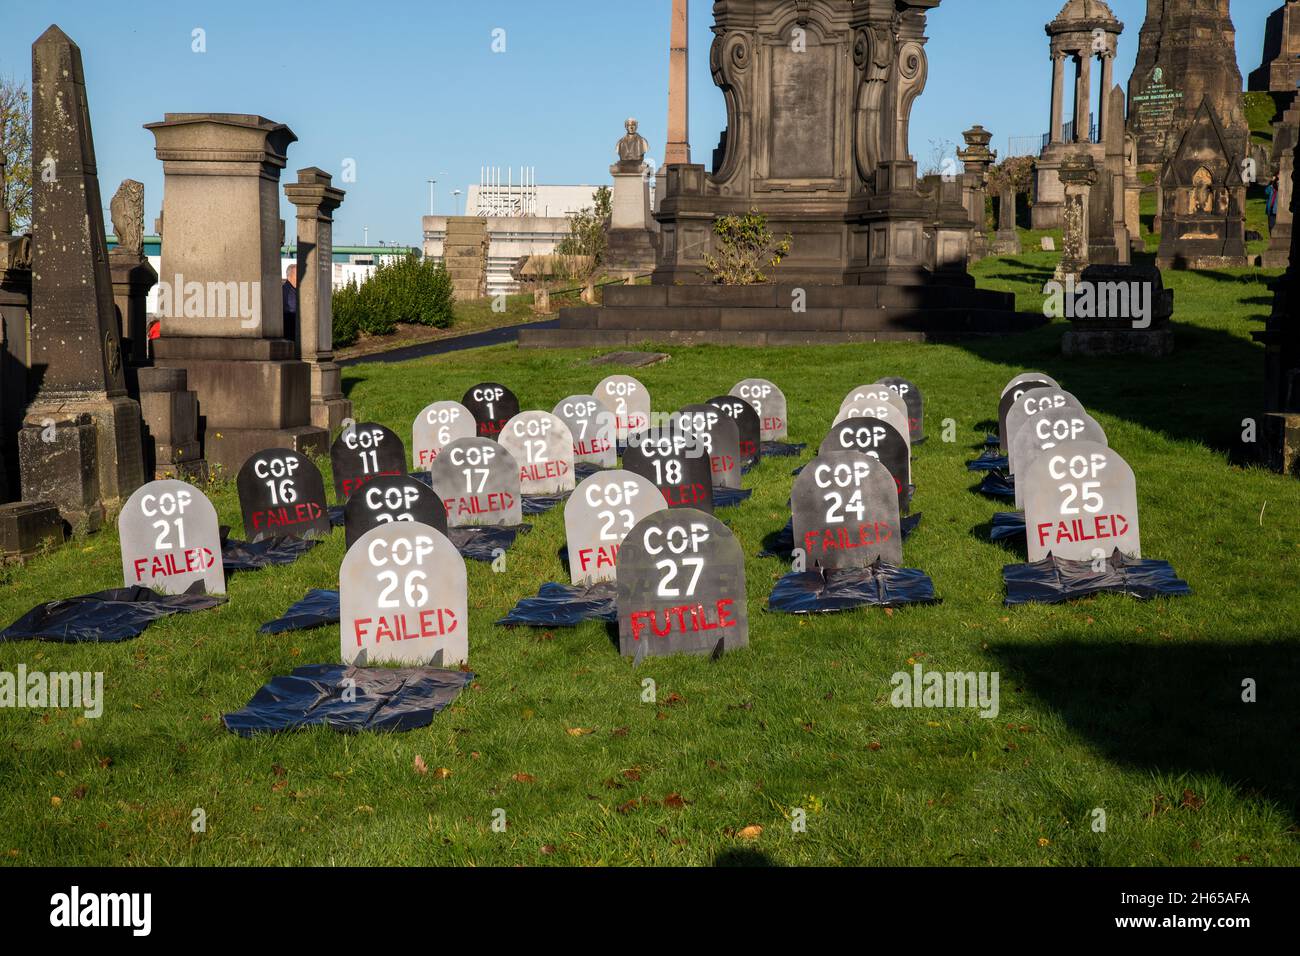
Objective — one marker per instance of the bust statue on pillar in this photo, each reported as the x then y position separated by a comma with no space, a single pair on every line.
630,245
131,272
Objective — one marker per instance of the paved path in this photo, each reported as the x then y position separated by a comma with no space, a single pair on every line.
455,343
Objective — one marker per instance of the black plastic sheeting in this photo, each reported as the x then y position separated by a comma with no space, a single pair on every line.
782,543
540,504
384,698
269,552
105,616
880,585
336,513
780,449
995,484
565,605
585,469
730,497
992,441
319,608
1053,580
990,459
1007,526
479,543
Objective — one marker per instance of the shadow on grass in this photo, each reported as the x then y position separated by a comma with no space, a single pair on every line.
1176,708
743,857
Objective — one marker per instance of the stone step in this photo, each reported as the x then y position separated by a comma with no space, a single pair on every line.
971,320
784,296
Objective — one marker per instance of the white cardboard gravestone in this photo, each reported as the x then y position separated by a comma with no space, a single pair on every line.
362,452
1028,377
770,404
747,421
1046,431
877,438
721,437
402,598
1080,503
1012,395
478,482
170,539
845,508
492,405
681,586
594,430
629,400
436,427
874,393
543,447
598,516
391,498
282,493
676,463
1037,401
914,399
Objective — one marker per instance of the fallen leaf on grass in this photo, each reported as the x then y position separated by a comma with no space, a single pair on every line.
673,698
751,832
874,745
522,777
442,773
674,801
420,766
618,732
579,731
632,773
1191,801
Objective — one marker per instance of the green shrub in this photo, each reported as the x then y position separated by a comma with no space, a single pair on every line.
406,291
745,248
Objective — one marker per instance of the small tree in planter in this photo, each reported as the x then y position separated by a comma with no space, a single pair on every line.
745,248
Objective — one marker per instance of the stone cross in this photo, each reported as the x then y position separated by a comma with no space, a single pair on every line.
316,199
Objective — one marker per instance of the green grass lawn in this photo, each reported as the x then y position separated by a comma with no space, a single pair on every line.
1132,708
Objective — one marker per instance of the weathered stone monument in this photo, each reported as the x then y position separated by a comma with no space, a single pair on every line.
219,296
819,97
1187,52
80,442
316,199
1279,71
131,272
15,307
1078,174
170,428
1203,218
1110,241
1286,133
976,159
1084,30
629,241
1281,339
465,256
677,150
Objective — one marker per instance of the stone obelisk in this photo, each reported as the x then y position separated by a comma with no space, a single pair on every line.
80,443
678,149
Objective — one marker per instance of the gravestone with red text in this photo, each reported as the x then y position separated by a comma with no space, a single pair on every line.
492,405
282,493
478,482
542,445
629,400
170,539
877,438
362,452
676,462
391,498
594,430
770,404
598,516
721,439
436,427
845,512
1080,503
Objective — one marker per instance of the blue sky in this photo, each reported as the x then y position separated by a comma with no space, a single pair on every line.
411,89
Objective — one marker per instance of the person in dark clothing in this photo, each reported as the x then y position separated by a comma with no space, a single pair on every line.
290,290
1270,202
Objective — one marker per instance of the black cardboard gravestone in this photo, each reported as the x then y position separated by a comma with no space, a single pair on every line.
747,420
492,405
362,452
630,402
681,586
1080,503
594,430
721,438
1023,377
392,498
170,539
282,493
543,447
1009,398
877,438
1046,431
879,401
676,463
402,598
845,508
478,482
598,516
1036,401
914,400
436,427
770,404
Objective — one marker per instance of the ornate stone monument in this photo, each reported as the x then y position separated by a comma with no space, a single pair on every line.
1084,30
1281,339
131,272
1110,243
818,100
1279,72
1286,132
1187,52
1203,219
219,296
630,243
316,199
1078,176
976,159
80,442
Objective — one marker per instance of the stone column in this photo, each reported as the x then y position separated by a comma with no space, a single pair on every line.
678,149
1083,100
1007,240
1107,81
977,158
220,298
1058,98
316,199
80,443
1079,175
